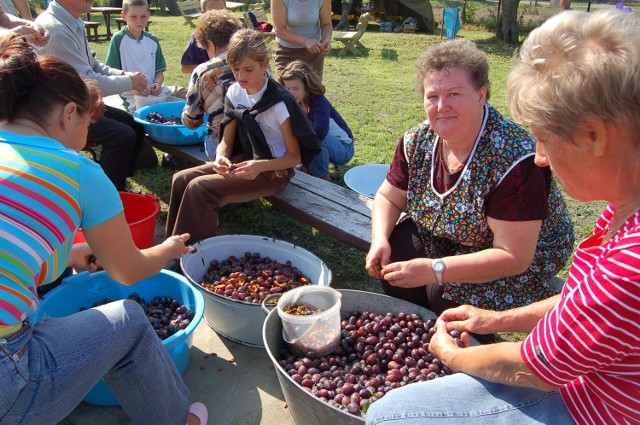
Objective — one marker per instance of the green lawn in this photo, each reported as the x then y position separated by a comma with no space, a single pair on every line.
375,94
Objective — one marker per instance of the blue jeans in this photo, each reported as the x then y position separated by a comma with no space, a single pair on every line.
462,399
46,370
334,151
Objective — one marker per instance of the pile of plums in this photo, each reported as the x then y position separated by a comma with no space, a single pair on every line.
251,278
377,353
165,314
158,118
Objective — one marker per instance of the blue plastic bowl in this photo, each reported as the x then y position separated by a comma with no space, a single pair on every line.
170,134
84,289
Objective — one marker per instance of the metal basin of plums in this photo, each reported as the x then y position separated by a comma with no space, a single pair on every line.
236,319
305,407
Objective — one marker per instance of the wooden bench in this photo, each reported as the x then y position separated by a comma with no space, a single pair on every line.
190,10
92,30
332,209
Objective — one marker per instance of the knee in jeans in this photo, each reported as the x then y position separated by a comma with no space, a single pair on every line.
135,315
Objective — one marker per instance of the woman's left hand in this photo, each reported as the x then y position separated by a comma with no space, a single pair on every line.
325,47
442,345
408,274
81,258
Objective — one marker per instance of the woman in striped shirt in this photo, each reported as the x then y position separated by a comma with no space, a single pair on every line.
47,191
577,87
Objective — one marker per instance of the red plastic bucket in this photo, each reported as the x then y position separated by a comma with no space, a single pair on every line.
141,212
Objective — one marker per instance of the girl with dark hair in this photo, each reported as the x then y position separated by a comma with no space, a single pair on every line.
335,135
47,191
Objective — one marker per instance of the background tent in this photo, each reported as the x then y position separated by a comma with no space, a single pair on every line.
419,9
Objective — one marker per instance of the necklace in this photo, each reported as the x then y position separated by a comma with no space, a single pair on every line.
445,158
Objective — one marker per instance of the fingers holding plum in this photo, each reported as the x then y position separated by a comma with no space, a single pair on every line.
470,319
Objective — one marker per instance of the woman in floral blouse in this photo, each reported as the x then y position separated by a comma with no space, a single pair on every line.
484,225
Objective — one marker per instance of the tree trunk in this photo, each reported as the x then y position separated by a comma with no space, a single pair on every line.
508,23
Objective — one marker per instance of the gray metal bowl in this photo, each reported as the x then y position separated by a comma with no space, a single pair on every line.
304,407
237,320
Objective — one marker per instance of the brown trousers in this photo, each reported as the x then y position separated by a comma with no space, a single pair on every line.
283,56
197,193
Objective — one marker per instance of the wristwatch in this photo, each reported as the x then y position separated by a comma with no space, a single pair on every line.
438,267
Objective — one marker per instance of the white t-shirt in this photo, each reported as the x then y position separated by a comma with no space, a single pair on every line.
270,121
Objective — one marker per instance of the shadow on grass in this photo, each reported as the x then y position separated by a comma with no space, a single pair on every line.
492,46
390,55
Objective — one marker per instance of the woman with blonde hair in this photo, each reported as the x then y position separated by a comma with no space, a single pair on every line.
577,86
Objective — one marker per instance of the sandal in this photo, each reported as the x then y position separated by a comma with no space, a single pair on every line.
199,410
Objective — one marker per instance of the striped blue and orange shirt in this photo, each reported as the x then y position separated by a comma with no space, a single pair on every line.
46,193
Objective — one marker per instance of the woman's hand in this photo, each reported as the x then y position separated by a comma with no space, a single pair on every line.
325,47
81,258
313,46
470,319
444,346
177,244
408,274
377,258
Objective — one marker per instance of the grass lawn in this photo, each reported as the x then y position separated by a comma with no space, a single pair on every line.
375,94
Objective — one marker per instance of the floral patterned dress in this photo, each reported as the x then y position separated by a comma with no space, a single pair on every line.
455,222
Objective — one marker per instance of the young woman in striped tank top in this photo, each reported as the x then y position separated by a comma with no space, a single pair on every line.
47,191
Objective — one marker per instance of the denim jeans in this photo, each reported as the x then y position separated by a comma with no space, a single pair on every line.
46,370
334,151
462,399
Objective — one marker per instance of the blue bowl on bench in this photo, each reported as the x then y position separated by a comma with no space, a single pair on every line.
170,134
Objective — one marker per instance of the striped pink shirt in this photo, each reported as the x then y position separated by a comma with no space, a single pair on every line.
589,344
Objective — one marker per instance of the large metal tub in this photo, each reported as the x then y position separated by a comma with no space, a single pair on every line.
241,321
304,407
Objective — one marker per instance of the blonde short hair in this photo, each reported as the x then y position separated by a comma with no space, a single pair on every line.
578,64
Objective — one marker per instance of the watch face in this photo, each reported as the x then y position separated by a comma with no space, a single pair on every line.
438,265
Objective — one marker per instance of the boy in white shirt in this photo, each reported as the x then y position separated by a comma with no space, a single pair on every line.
133,49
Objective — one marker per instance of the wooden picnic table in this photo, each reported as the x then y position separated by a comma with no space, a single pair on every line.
106,14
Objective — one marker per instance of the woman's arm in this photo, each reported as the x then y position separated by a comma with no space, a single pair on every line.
514,245
326,27
388,205
500,363
521,319
113,245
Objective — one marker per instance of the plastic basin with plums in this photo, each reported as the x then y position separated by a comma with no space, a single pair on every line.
170,134
84,289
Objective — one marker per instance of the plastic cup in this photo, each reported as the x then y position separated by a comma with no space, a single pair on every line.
319,332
